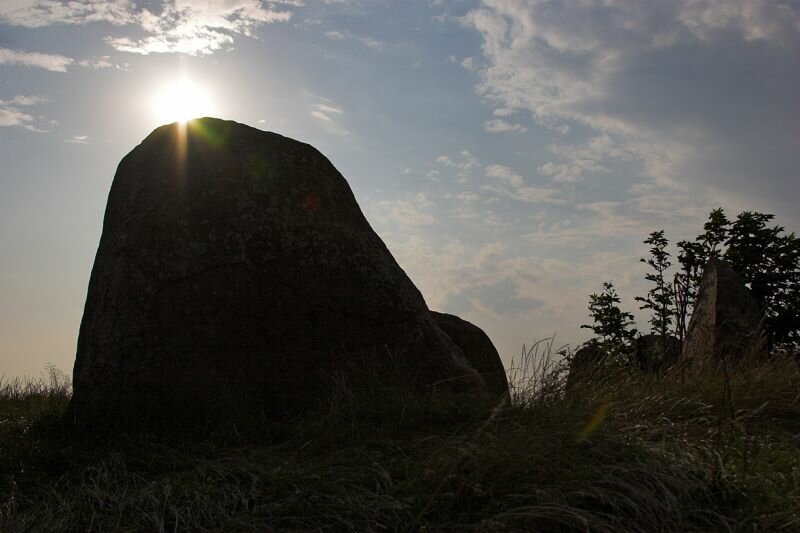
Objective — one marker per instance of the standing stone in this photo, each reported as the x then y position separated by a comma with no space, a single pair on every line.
478,349
726,324
235,262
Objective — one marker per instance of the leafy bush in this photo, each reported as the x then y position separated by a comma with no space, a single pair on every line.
613,327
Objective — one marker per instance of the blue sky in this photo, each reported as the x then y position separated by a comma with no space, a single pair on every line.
512,154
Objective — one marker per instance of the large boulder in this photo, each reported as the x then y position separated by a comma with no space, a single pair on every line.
478,349
235,262
726,324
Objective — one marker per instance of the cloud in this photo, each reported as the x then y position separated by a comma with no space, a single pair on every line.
501,126
466,206
12,115
490,282
78,139
470,64
512,185
691,92
329,109
505,174
195,27
320,115
96,63
570,172
39,13
505,181
324,112
192,27
369,42
521,289
411,212
464,163
51,62
500,297
20,100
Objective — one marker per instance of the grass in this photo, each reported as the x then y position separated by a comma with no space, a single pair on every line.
683,451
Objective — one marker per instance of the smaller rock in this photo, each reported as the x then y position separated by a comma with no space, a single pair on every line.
652,353
726,324
585,363
477,348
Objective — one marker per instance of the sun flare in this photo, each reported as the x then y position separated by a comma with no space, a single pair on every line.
180,101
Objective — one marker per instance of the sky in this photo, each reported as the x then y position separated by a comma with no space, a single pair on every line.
512,154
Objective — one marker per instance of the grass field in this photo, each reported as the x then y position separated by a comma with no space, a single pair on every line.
685,451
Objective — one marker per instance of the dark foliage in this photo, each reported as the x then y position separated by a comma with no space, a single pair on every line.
659,298
626,452
766,258
769,262
612,326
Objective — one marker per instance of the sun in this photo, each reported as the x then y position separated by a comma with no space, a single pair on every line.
181,100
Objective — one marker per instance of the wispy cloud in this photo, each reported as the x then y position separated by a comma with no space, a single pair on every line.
652,77
465,163
320,115
325,112
96,63
512,185
417,211
369,42
39,13
192,27
329,114
20,100
51,62
78,139
580,160
505,175
12,115
490,283
502,297
501,126
569,172
195,27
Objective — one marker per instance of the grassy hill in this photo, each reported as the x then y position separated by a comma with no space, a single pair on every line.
685,451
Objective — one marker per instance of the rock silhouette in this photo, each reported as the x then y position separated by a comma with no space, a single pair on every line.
585,363
647,353
652,352
726,324
478,349
235,262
